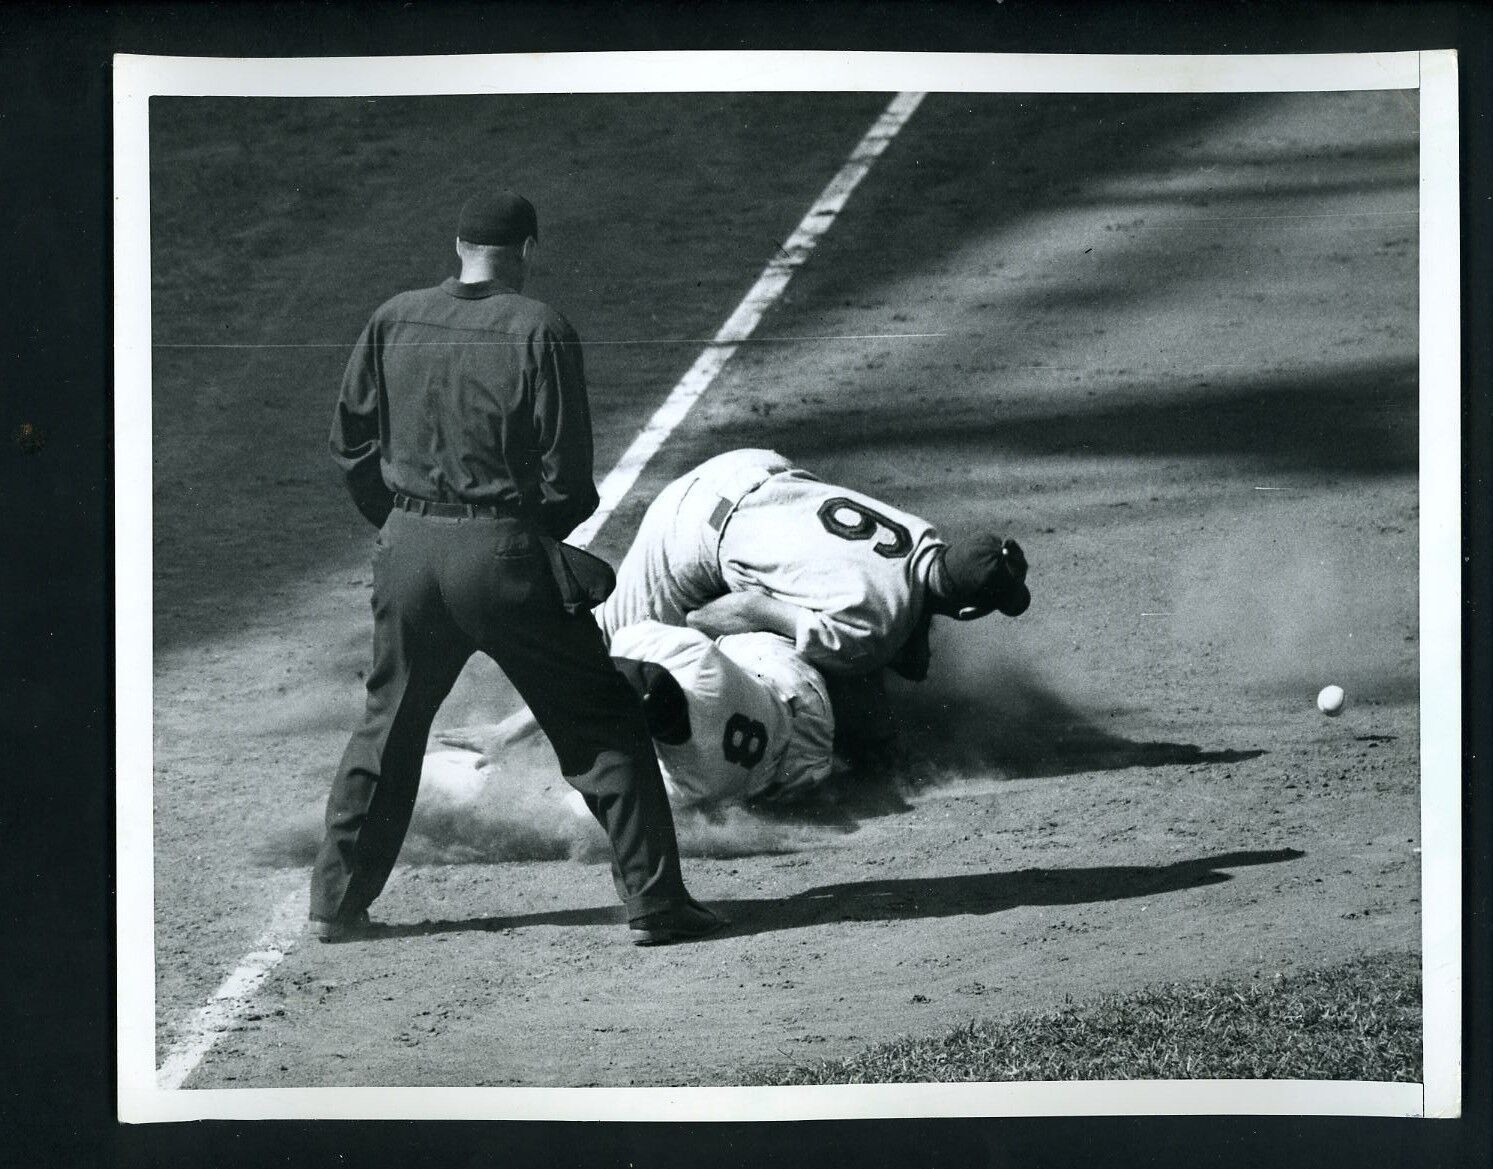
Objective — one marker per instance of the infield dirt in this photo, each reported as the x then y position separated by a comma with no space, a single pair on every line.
1168,342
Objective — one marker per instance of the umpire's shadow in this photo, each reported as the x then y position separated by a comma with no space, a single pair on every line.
902,898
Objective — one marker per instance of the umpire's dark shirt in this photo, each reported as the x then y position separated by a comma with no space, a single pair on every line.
468,393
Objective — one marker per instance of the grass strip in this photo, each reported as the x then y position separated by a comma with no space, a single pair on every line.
1356,1021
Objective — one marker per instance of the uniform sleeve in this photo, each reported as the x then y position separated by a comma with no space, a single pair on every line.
562,428
354,440
836,642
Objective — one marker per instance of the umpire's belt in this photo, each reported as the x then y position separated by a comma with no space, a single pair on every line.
448,510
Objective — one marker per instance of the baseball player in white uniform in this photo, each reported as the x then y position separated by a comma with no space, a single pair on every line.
748,542
758,724
750,578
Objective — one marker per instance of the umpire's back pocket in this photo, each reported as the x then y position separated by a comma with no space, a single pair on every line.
584,580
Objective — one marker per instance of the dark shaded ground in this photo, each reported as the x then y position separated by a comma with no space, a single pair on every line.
1357,418
1168,342
278,226
1050,345
900,899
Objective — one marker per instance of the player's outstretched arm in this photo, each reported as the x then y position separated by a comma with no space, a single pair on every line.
746,613
489,738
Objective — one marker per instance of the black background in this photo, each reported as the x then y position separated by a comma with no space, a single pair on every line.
56,717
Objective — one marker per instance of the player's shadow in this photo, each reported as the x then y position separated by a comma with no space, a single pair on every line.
1012,723
1011,726
904,898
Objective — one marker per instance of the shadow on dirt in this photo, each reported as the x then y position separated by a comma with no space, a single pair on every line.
1352,418
850,799
985,717
899,899
1006,719
215,408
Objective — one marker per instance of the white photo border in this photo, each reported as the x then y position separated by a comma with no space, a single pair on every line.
1434,73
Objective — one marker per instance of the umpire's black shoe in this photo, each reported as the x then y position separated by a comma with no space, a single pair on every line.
679,923
342,929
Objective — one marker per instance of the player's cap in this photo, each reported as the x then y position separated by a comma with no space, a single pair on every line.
986,573
499,218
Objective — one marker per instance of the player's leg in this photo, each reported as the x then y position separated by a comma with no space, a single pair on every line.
417,656
596,725
668,565
508,603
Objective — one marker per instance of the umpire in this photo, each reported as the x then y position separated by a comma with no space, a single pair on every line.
464,434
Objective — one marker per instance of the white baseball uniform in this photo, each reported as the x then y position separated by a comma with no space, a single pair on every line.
749,521
760,719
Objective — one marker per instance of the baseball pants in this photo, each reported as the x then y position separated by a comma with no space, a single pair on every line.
444,588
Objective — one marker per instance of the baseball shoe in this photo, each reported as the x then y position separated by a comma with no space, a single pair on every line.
342,929
679,923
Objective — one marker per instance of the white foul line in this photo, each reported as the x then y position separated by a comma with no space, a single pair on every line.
232,998
748,315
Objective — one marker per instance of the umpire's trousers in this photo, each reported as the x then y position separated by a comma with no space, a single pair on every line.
442,589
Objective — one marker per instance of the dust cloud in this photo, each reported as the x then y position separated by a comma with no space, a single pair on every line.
987,710
513,805
990,712
1286,603
1271,606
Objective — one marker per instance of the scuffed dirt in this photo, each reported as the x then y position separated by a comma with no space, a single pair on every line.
1168,342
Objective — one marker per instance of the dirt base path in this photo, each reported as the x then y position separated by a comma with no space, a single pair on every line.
1170,344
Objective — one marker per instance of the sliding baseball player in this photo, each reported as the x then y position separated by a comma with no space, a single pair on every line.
766,589
748,542
745,719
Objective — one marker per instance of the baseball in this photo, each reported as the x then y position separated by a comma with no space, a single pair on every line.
1330,701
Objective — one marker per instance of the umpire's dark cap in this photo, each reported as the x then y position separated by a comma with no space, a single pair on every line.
500,218
985,573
